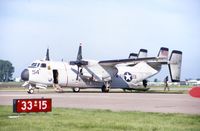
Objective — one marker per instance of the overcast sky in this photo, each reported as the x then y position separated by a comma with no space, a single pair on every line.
108,29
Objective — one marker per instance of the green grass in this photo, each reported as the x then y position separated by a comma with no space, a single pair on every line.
90,120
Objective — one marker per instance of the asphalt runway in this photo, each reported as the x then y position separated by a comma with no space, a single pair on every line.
145,102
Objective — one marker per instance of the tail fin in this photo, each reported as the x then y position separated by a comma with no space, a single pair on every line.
175,62
142,53
163,53
132,56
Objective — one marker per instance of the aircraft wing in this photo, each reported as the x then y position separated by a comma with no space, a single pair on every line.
162,57
131,61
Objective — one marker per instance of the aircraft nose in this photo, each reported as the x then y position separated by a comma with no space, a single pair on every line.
25,75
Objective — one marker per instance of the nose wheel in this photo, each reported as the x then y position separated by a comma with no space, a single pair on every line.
30,89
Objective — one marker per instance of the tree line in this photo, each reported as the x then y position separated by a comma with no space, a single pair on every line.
6,71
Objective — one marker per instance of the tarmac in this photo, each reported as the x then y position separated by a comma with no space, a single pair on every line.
115,101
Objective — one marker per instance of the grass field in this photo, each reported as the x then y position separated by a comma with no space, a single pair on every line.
63,119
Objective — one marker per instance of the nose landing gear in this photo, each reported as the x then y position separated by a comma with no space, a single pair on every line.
30,89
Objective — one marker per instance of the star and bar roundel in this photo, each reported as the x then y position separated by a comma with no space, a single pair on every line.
128,76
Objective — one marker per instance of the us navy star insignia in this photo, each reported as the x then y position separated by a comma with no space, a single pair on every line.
127,76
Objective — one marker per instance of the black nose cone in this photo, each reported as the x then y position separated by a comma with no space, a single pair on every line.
25,75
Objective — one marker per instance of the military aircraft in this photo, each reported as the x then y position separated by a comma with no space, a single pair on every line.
117,73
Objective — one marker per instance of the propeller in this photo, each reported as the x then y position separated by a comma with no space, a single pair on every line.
79,62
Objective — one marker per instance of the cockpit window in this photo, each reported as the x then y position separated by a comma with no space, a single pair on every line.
33,65
43,65
38,64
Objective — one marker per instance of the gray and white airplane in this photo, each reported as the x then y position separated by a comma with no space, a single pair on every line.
117,73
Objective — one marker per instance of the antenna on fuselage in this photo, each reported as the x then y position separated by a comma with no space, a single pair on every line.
47,55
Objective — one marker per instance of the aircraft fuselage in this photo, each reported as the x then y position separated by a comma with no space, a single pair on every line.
92,75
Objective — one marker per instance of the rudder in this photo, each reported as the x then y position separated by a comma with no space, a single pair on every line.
175,62
163,53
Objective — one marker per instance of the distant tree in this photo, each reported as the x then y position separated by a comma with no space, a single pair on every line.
155,80
6,70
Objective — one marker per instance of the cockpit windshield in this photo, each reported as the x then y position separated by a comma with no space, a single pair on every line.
38,64
34,65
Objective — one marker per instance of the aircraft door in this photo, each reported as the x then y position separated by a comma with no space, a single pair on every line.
55,76
60,75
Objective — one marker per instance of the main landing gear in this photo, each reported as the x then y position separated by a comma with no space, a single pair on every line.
106,87
30,91
76,89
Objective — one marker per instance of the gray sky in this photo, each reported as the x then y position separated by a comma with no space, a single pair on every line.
108,29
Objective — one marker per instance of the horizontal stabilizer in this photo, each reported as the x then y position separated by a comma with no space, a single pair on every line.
175,62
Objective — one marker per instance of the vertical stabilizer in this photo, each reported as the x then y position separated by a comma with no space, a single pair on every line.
142,53
175,62
132,56
163,53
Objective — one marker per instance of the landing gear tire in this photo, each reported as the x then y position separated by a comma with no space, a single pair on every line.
105,89
31,91
76,89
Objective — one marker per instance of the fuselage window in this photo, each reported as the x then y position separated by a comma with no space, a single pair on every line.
43,65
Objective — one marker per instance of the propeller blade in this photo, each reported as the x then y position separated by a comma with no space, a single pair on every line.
79,62
79,55
77,74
